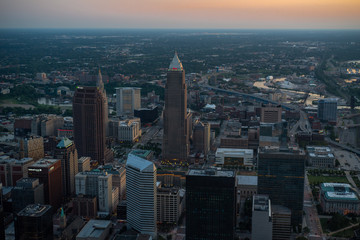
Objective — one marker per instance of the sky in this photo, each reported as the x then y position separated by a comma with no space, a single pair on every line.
232,14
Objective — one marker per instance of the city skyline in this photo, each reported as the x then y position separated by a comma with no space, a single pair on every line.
229,14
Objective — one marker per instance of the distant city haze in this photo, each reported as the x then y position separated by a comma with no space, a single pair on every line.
245,14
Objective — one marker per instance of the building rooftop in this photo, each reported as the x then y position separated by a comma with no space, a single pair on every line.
45,162
64,143
211,172
141,153
34,210
235,151
94,229
83,159
139,163
247,180
339,191
261,202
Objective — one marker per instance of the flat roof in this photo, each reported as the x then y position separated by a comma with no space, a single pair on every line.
211,172
94,229
338,191
235,151
34,210
44,162
247,180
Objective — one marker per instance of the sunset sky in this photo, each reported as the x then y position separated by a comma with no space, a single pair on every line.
260,14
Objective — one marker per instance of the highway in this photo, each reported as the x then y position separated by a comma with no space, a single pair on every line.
343,146
252,97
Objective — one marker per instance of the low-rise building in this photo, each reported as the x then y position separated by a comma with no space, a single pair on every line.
95,230
320,157
129,130
339,198
246,186
234,157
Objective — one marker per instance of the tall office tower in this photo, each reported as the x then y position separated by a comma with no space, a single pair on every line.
67,153
34,222
48,171
141,194
96,184
127,100
327,109
271,114
32,147
261,221
176,117
90,119
201,137
27,191
281,176
210,204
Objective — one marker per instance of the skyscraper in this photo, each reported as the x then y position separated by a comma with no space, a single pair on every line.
176,117
90,119
327,109
48,171
67,153
210,204
141,194
34,222
127,100
281,176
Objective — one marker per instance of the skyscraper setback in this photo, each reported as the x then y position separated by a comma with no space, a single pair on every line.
176,117
90,119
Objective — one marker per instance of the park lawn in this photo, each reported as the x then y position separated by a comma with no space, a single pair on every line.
324,226
348,233
323,179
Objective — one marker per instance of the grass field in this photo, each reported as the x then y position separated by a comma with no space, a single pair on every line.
322,179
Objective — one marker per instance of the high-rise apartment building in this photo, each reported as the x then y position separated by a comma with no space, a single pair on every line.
176,116
327,109
201,137
210,204
127,100
32,147
34,222
141,194
48,171
271,114
27,191
67,153
281,176
12,170
96,184
90,120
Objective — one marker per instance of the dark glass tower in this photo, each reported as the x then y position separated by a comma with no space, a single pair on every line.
90,118
176,118
210,204
34,222
281,176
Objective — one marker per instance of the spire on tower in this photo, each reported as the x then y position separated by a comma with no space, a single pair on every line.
100,82
175,64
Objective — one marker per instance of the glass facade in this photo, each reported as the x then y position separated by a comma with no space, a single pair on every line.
281,176
210,207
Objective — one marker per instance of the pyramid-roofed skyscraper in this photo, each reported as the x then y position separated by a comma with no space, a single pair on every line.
176,117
